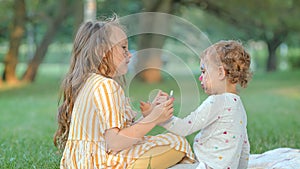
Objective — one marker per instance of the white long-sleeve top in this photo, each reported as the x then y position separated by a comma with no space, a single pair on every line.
223,139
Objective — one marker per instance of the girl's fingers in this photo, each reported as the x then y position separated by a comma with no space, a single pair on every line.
168,105
169,102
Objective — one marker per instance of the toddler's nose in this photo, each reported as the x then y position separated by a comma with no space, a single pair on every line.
200,78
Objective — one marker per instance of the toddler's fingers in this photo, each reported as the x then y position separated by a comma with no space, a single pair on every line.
158,93
164,94
162,99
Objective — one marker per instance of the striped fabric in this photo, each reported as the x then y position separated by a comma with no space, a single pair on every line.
102,105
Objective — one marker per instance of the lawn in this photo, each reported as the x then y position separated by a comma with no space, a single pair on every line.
28,114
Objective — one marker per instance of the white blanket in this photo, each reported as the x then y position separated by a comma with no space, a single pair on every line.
280,158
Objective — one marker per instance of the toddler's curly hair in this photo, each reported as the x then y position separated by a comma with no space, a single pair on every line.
235,60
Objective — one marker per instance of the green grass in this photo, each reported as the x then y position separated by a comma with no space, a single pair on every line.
28,115
272,102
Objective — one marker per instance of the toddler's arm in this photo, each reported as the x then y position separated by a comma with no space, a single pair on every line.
195,121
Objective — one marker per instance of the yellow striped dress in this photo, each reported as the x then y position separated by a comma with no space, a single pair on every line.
101,105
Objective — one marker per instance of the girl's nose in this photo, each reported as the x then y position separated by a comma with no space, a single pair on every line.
129,54
200,78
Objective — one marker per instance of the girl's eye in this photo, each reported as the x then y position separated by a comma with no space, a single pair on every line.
202,71
125,49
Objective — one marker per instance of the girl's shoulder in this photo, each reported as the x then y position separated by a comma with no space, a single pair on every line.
99,79
103,83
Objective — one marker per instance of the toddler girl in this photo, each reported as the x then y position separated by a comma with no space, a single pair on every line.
223,140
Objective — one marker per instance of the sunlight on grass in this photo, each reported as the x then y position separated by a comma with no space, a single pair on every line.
289,92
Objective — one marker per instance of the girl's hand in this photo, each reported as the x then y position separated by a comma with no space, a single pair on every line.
161,112
146,108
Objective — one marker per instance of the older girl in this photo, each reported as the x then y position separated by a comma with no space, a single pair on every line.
96,127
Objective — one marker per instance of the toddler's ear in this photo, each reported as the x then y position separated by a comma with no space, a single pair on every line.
221,73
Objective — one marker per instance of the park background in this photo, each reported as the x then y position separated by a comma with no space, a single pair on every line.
35,46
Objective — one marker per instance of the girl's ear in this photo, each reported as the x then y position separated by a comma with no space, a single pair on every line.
221,73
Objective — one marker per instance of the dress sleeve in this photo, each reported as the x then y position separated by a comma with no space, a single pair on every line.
195,121
130,114
109,100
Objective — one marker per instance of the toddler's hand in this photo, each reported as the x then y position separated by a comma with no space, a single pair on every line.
160,97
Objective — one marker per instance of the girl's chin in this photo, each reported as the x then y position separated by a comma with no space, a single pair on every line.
122,72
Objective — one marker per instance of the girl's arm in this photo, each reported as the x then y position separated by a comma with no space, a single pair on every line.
146,107
119,139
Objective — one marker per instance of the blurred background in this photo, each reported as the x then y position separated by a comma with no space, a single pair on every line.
36,42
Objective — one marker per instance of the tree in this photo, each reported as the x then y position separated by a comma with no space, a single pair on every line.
43,12
270,20
79,14
90,8
148,65
54,24
16,34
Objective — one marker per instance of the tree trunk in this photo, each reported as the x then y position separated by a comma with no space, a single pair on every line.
90,7
78,13
149,63
11,58
41,50
272,58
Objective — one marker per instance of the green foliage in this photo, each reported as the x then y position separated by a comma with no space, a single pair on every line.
6,15
122,8
294,58
272,15
215,28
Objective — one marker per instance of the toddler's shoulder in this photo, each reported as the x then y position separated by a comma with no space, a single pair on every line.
225,98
